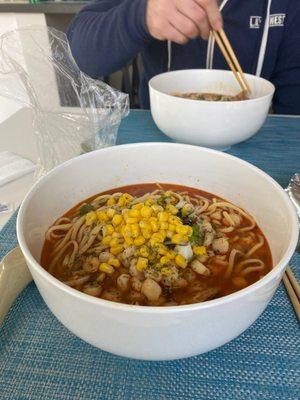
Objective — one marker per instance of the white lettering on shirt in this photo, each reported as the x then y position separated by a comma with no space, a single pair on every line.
276,20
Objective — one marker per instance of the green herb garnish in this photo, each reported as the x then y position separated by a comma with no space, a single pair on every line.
162,200
197,236
85,208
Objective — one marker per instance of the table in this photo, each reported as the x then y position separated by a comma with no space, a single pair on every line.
40,359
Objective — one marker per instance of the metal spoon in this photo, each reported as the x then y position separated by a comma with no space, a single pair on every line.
293,190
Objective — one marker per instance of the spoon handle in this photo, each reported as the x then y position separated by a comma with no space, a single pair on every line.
14,277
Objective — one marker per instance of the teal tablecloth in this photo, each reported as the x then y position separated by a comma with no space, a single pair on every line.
40,359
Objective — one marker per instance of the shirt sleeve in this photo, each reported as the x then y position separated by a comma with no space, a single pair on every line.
107,34
286,76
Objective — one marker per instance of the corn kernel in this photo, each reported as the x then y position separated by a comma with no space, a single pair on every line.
131,220
180,261
153,242
124,199
177,239
139,241
90,218
161,249
170,234
146,233
108,269
119,228
162,233
116,235
102,216
144,252
137,206
128,241
199,250
142,263
158,237
172,209
114,262
149,201
145,225
185,238
172,227
164,260
117,219
124,213
156,208
135,230
106,240
116,249
182,229
108,229
101,277
114,242
126,231
164,225
174,220
154,225
111,201
171,254
110,212
163,216
146,212
165,271
134,213
187,209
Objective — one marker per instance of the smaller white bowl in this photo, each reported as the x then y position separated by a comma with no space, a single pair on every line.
208,123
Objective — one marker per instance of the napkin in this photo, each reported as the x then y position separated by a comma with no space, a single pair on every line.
13,167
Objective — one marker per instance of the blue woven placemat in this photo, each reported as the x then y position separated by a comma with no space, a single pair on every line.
40,359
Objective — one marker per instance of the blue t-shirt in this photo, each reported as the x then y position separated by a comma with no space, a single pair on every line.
265,34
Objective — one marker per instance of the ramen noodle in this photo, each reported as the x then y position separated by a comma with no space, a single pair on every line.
156,245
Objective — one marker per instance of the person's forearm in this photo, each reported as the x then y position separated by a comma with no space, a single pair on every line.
107,34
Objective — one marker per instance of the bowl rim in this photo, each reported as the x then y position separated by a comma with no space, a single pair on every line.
154,309
208,71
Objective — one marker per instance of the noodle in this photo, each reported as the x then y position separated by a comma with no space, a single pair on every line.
204,262
242,264
256,247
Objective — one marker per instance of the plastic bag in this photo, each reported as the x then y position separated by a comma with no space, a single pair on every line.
72,112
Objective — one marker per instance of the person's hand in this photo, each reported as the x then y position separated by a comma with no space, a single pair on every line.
181,20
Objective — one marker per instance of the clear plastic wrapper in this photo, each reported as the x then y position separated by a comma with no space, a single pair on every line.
72,112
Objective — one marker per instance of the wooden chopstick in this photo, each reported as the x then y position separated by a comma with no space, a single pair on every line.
230,57
229,62
293,282
233,57
293,291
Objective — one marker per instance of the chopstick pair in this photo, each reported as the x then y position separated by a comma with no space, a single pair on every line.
232,61
293,290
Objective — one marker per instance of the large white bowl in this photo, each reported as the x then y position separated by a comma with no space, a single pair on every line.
208,123
157,333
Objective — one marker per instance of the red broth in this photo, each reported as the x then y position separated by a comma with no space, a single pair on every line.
204,277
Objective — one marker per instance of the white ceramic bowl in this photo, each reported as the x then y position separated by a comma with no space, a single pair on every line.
208,123
157,333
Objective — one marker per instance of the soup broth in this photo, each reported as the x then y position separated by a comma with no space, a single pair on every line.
212,96
156,245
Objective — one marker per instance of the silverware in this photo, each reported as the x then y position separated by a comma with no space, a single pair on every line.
293,190
14,277
289,279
